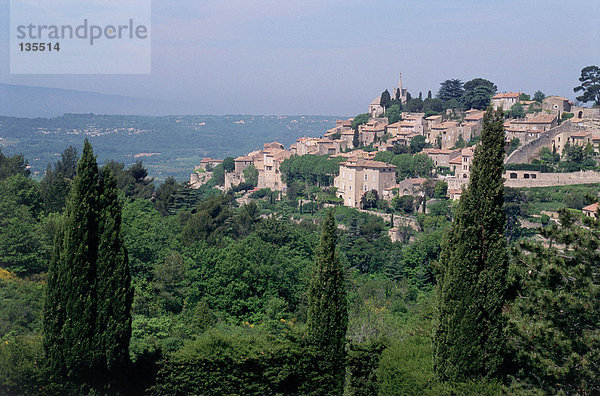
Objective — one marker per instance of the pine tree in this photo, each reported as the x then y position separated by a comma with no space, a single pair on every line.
471,291
554,320
70,303
115,294
328,312
87,322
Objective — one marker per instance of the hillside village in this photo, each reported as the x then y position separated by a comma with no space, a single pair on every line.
447,138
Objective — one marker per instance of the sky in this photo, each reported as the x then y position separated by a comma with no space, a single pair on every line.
333,57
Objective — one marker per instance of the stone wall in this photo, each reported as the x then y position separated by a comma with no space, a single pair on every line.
518,179
526,153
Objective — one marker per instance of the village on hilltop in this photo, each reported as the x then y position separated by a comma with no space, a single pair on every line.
448,138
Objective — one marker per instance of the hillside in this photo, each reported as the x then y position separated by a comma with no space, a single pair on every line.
168,145
29,101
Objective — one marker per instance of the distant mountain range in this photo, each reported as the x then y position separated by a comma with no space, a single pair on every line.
27,101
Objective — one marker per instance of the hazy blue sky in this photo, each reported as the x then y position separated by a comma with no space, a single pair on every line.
334,57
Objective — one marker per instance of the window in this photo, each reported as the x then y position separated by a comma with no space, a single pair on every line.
533,176
350,176
343,175
513,175
366,177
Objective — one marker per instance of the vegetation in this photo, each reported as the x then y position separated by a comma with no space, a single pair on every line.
590,85
224,293
327,319
87,322
469,338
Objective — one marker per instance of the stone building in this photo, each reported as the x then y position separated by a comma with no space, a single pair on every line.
374,129
442,157
590,210
556,105
317,146
505,100
358,175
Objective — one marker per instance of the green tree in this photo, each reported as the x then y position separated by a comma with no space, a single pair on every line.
554,319
360,120
516,111
56,184
113,287
394,114
418,143
471,292
539,96
16,164
229,164
590,85
478,93
328,312
70,310
451,89
87,321
369,199
251,175
385,99
356,139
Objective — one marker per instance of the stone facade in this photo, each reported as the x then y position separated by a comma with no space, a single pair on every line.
505,100
556,105
358,176
441,157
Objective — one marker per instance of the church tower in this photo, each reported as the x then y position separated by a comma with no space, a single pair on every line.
400,93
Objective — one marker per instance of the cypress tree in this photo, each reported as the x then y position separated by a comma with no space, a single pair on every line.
328,313
87,322
71,297
115,294
356,138
471,291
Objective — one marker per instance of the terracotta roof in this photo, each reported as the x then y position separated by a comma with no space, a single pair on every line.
445,124
506,95
468,151
243,158
437,151
416,180
591,208
208,159
580,134
539,119
360,162
457,160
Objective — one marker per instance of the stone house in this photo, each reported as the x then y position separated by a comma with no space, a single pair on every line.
505,100
358,175
430,122
372,130
209,163
317,146
448,131
412,186
536,122
375,108
590,210
441,157
556,105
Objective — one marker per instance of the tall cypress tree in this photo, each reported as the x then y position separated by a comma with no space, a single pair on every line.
85,331
115,294
471,290
328,312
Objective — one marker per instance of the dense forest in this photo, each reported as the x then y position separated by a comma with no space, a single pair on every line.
110,284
